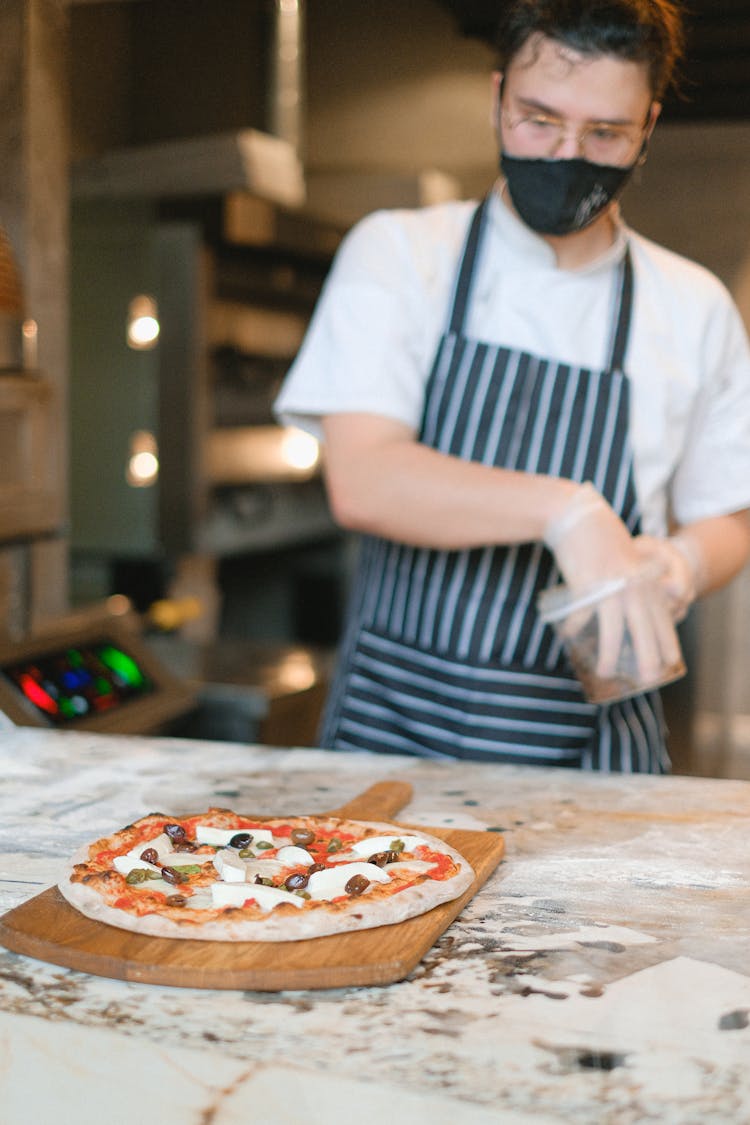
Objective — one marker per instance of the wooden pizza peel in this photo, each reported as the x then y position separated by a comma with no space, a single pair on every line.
48,928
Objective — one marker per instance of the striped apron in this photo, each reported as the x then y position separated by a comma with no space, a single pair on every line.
443,653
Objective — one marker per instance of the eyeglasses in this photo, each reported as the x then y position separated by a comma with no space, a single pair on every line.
599,142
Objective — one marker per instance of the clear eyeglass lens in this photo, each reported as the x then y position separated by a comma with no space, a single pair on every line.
602,144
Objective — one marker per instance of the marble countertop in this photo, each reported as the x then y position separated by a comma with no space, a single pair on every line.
601,976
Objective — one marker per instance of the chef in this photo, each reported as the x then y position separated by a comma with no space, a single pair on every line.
520,391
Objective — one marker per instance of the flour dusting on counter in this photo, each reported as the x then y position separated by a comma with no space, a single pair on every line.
600,975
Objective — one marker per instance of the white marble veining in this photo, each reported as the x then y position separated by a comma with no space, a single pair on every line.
601,976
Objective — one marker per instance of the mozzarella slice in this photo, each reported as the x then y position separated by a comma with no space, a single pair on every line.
158,885
220,837
332,882
231,894
160,844
266,868
374,844
201,899
230,867
185,859
127,863
163,847
292,856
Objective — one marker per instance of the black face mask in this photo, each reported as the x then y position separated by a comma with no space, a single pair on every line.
561,196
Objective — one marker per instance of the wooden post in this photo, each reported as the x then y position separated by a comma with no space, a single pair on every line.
34,150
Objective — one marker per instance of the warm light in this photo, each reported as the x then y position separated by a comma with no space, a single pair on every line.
143,468
143,323
118,605
30,333
240,454
299,450
143,460
296,672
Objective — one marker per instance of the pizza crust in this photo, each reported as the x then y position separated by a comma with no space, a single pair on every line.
287,922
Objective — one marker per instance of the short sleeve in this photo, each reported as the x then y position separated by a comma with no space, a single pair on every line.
377,324
713,475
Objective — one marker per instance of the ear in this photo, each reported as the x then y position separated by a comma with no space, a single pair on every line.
496,86
653,117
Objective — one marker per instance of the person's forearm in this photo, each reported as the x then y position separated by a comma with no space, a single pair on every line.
399,489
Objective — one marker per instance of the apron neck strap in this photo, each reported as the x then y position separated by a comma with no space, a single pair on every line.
622,315
466,271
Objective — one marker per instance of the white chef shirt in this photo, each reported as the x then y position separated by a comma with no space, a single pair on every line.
377,325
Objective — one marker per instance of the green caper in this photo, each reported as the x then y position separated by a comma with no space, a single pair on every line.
334,844
397,845
246,853
263,845
137,875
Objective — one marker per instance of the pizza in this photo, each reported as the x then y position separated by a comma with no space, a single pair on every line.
222,876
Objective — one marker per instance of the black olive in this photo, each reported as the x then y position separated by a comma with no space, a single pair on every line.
316,867
380,859
185,846
241,840
296,881
169,875
150,855
356,885
176,900
302,836
175,831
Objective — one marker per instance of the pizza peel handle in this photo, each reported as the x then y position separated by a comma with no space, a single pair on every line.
380,802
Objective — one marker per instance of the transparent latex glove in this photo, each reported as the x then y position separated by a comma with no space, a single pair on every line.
592,546
677,561
590,542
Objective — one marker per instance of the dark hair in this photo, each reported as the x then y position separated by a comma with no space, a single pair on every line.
649,31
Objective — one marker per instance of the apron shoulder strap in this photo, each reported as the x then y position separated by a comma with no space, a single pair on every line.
466,269
624,315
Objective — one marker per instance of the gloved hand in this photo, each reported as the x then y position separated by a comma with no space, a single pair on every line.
592,545
590,542
679,567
